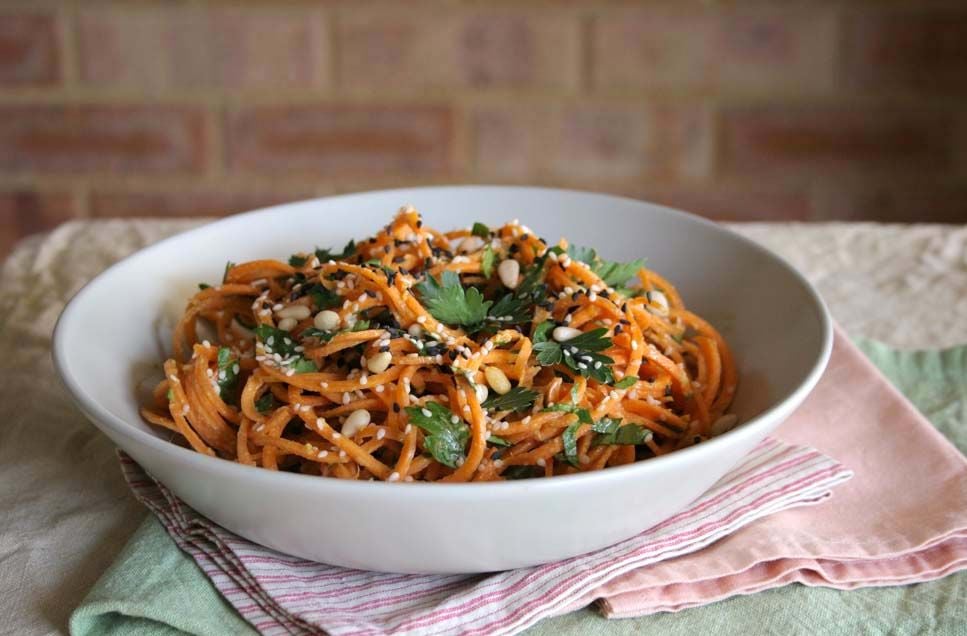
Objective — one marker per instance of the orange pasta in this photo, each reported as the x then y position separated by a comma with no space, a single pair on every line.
416,355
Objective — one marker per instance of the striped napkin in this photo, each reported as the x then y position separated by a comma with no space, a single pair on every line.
280,594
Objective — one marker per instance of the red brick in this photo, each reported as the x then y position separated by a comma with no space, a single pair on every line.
29,49
342,140
793,140
591,142
159,48
184,203
757,48
907,203
925,51
507,144
26,212
101,139
458,49
600,143
732,203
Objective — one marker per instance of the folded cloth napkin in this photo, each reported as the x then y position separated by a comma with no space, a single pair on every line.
279,594
902,519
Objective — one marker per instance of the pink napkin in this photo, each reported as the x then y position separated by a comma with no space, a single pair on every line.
902,519
279,594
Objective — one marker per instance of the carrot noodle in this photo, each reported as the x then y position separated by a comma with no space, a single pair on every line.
340,396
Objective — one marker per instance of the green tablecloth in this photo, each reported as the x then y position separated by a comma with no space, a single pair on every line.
154,588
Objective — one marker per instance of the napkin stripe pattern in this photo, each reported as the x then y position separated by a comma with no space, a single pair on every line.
281,594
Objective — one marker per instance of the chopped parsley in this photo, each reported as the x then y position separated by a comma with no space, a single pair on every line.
322,297
626,382
203,286
481,230
611,431
278,340
267,403
330,255
570,441
581,353
487,261
446,438
584,415
284,343
227,376
613,273
498,441
522,472
450,302
517,399
297,260
228,266
302,365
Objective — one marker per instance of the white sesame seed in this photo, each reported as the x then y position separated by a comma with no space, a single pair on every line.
421,319
426,412
379,388
541,462
593,296
346,397
393,476
323,454
336,435
408,429
342,454
454,419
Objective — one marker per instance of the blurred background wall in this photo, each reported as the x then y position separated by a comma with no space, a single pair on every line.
743,110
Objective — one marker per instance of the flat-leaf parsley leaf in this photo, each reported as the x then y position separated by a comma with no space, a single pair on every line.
447,439
450,302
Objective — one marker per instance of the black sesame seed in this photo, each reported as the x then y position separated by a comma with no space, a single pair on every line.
396,407
419,223
514,248
617,330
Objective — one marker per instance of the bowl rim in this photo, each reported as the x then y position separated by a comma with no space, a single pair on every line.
103,418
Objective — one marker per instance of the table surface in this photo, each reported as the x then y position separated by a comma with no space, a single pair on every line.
66,511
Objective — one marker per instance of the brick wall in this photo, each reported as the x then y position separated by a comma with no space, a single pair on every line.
738,110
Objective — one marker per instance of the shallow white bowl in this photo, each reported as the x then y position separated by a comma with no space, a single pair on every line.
113,334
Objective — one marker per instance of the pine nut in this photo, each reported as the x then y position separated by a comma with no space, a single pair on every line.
497,380
327,320
357,420
288,324
563,334
379,362
509,271
297,312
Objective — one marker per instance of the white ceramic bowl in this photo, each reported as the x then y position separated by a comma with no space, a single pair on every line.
113,334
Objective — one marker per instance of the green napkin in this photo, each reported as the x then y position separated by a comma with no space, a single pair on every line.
154,588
